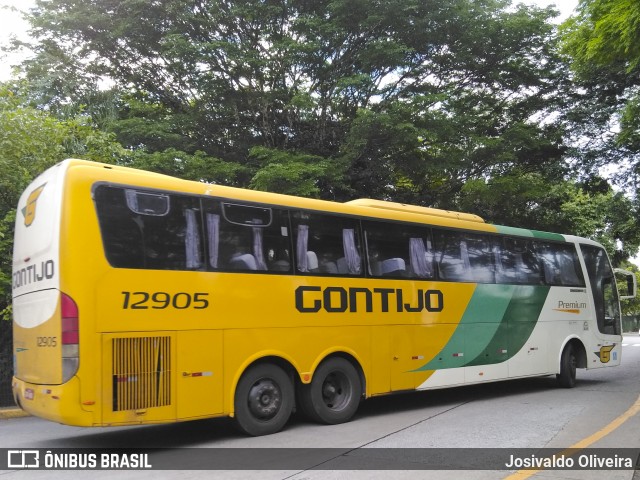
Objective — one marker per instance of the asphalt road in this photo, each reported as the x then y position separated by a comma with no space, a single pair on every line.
390,437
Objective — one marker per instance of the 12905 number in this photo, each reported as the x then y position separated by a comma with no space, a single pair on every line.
162,300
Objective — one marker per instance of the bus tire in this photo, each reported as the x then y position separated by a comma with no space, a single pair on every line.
568,364
264,400
333,396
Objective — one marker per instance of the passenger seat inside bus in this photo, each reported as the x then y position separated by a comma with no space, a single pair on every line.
393,267
244,261
329,267
312,262
342,266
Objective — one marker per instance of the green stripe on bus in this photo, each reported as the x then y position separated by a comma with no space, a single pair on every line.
483,316
520,318
523,232
520,232
496,324
523,314
548,236
486,312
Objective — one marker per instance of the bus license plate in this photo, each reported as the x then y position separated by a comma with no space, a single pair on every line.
28,394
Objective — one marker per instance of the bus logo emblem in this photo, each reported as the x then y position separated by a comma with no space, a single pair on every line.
605,353
29,211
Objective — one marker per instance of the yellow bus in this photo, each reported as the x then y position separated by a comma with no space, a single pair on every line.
141,298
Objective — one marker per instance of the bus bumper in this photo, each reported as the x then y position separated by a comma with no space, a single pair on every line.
58,403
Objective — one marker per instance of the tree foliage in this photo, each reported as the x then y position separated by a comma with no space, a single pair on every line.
410,92
603,43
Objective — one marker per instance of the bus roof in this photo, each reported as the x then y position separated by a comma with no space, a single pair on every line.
363,207
403,207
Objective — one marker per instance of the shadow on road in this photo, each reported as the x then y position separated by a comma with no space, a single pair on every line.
198,432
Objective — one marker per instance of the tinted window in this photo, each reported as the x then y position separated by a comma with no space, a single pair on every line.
560,264
518,262
398,250
464,257
149,230
326,244
247,238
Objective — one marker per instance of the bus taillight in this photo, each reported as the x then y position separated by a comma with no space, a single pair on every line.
69,314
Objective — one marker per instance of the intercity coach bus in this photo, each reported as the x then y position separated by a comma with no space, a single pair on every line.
141,298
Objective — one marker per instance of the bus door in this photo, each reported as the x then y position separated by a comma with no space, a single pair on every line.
607,323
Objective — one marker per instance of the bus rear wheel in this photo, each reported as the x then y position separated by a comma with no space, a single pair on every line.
568,364
333,396
264,400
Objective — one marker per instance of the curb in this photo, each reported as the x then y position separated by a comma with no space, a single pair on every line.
12,412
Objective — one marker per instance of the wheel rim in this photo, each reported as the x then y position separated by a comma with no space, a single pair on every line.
336,391
265,399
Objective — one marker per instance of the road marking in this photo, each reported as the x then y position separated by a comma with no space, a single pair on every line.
584,443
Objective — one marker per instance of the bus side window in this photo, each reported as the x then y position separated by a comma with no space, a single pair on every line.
449,256
247,237
481,258
121,234
520,262
386,250
326,244
400,251
166,238
277,243
148,230
505,267
561,265
464,257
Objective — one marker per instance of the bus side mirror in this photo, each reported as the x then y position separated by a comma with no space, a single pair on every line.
627,285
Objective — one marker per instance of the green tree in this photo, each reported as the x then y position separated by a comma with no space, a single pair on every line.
295,173
197,166
603,43
444,80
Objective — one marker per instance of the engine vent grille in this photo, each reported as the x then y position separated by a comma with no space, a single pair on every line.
141,373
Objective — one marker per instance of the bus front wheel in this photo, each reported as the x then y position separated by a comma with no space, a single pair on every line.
568,364
333,396
264,400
